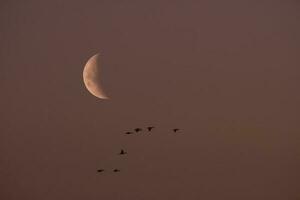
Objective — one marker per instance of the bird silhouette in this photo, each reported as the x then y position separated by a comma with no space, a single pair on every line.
100,170
150,128
176,129
137,129
116,170
128,133
122,152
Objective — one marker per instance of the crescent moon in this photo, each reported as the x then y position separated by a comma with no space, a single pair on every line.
91,77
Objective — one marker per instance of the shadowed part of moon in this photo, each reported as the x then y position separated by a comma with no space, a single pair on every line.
91,77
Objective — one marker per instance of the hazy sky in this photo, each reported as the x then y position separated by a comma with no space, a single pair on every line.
226,72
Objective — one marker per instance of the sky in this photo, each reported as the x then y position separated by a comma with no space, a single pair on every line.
225,72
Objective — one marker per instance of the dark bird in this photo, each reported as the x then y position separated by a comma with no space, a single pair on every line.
122,152
150,128
175,130
128,133
137,129
100,170
116,170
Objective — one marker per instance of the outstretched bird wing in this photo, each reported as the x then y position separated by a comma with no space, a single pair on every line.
150,128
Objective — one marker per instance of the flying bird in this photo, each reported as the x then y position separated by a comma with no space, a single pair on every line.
137,129
122,152
150,128
128,133
100,170
176,129
116,170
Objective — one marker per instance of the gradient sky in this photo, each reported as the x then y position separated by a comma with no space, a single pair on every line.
226,72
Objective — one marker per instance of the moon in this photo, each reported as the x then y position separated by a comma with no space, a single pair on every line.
91,77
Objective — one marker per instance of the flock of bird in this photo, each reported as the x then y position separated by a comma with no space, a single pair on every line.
136,130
